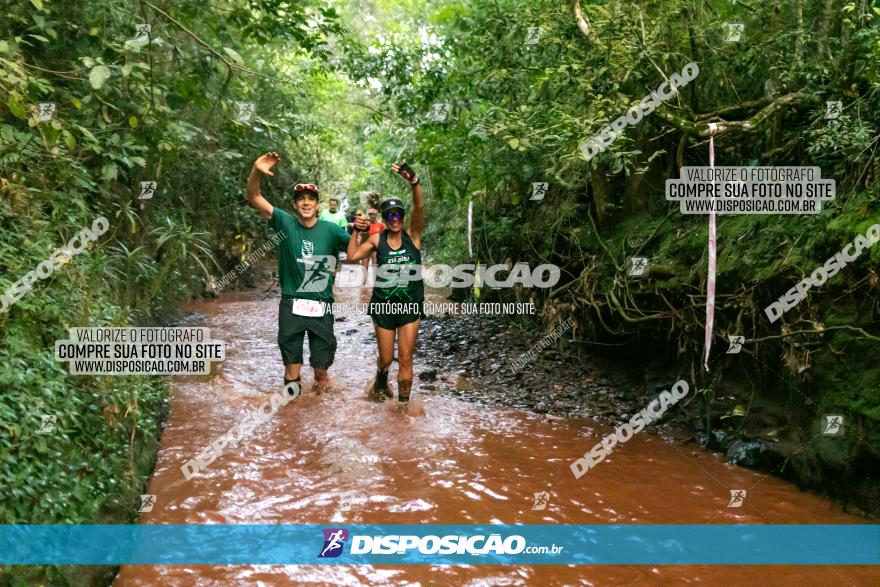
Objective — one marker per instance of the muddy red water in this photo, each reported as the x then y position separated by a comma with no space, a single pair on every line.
338,458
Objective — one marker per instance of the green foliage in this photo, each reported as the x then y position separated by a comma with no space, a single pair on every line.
520,114
129,110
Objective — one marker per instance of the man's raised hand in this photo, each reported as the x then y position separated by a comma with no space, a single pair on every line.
265,163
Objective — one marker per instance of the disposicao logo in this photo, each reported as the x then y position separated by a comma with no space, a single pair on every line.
334,541
449,544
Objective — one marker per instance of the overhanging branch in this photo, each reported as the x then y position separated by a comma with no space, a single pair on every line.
230,65
748,125
583,23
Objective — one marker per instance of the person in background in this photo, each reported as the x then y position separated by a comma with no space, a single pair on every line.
376,227
349,219
334,214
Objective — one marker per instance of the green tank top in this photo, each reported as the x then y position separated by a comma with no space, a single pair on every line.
389,290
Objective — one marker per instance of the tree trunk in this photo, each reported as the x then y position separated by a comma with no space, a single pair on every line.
634,197
600,195
825,28
799,36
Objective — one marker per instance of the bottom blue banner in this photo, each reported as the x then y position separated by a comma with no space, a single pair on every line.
440,544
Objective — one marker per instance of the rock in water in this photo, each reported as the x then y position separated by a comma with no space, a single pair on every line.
746,453
430,375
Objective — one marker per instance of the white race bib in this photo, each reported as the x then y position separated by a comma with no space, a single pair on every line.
309,308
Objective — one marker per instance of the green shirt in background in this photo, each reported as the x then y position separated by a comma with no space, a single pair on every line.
337,218
307,254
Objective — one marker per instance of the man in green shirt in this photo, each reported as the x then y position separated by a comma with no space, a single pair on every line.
306,260
335,215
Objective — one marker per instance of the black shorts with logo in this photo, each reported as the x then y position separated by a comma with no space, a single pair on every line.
393,315
292,331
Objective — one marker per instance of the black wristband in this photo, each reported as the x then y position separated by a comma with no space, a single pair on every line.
416,182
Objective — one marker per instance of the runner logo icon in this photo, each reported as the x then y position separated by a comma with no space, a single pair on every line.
317,272
334,541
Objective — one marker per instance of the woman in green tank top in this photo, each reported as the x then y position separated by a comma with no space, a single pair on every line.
396,305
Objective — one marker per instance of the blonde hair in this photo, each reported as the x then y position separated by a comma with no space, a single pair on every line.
373,200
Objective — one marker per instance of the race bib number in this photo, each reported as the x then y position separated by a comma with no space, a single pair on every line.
309,308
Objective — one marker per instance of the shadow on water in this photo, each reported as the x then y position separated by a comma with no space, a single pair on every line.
338,458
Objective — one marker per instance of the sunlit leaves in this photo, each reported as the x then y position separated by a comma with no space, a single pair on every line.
16,107
236,58
98,75
109,172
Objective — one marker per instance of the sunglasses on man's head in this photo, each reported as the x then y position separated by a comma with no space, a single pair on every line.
389,216
302,187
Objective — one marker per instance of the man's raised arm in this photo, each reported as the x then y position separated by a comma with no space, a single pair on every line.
262,165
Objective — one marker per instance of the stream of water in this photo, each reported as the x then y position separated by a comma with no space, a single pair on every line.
338,458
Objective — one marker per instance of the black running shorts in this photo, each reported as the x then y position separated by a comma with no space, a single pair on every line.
292,331
393,315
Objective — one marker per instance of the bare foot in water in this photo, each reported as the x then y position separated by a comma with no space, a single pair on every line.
320,387
322,382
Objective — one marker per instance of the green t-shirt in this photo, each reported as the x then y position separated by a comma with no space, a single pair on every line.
337,218
306,256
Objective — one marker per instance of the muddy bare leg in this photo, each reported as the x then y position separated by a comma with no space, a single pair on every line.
385,341
406,342
292,371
